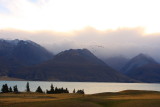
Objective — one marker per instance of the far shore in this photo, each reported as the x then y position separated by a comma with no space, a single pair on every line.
6,78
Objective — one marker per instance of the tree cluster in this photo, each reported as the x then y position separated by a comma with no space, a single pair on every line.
78,91
56,90
6,89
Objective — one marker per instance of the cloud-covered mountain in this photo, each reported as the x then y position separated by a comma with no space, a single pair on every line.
30,61
26,52
127,42
17,53
137,61
143,68
116,62
73,65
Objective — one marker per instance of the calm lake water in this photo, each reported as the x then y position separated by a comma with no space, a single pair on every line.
89,87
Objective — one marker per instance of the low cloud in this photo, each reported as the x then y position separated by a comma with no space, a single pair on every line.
123,41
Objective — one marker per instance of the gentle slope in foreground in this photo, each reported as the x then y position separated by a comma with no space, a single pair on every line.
126,98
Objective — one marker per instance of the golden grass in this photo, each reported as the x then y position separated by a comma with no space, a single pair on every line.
131,98
11,98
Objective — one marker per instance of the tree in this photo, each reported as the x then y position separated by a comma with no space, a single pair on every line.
80,92
52,89
61,90
47,92
10,89
15,89
27,87
39,90
56,90
66,91
5,88
74,91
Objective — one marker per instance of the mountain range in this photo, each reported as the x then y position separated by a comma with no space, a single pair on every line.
143,68
27,60
73,65
24,52
15,54
116,62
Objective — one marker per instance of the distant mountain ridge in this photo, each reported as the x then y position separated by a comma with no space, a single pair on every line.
15,54
116,62
136,62
74,65
26,52
27,60
148,73
143,68
78,55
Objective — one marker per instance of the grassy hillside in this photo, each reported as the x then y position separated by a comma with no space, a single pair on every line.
127,98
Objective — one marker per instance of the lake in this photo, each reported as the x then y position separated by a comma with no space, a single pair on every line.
89,87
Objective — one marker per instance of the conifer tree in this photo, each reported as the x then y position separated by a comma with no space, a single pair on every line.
66,91
74,91
61,90
47,91
56,90
10,89
52,89
5,88
39,90
15,89
27,87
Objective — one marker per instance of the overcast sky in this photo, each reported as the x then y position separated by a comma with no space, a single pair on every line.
126,41
67,15
106,27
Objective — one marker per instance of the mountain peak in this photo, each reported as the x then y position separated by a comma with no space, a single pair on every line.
80,56
74,65
143,57
75,52
142,54
17,41
24,51
138,61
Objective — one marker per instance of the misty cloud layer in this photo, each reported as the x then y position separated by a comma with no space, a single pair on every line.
127,42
